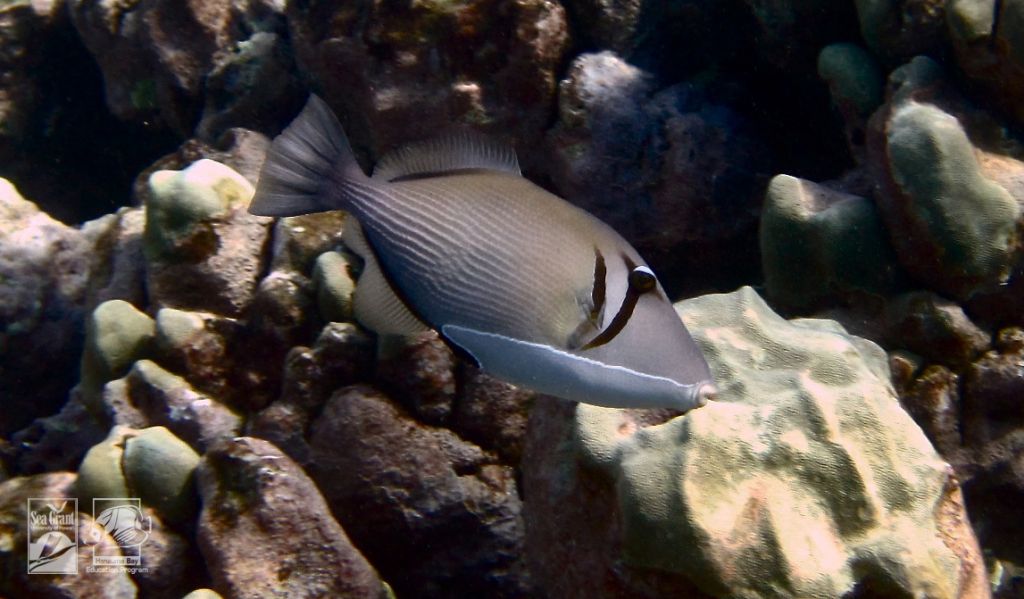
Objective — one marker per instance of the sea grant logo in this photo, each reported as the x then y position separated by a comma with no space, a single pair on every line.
52,535
126,525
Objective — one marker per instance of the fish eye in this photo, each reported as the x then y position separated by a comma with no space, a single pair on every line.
642,279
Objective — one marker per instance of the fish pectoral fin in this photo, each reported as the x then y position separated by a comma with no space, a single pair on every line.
547,369
375,303
532,365
462,151
303,162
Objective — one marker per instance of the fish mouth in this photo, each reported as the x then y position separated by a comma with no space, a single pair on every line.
707,392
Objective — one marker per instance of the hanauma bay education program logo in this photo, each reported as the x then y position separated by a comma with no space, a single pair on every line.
124,523
52,535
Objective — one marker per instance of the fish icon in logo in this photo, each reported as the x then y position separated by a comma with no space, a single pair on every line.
123,520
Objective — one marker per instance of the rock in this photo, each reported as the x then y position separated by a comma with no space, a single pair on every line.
491,66
819,245
976,420
203,594
952,224
118,408
202,246
900,32
43,270
179,52
492,414
853,78
343,354
180,199
255,497
168,400
1007,579
420,374
804,475
673,173
58,442
281,316
26,28
855,83
112,583
970,218
284,424
299,241
933,401
200,345
334,286
784,38
988,40
116,335
171,565
282,310
150,464
117,270
431,513
933,327
256,85
993,391
241,150
52,107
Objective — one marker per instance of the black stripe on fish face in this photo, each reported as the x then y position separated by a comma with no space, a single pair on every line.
641,280
597,295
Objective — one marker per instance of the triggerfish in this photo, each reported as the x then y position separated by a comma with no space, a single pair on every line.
536,291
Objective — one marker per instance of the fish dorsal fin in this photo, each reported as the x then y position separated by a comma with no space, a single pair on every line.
310,154
376,305
465,150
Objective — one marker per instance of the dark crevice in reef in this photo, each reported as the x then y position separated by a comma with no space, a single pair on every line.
76,160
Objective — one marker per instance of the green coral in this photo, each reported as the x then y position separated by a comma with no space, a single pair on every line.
203,594
969,219
816,242
971,20
802,478
116,335
177,328
334,287
852,76
159,468
183,204
150,464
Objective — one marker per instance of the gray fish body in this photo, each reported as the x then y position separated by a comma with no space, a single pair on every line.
490,250
538,291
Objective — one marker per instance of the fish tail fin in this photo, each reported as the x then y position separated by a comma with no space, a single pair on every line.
306,166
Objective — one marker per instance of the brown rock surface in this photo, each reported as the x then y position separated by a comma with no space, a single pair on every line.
265,529
434,513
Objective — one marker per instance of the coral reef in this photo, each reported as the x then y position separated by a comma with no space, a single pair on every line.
858,162
805,478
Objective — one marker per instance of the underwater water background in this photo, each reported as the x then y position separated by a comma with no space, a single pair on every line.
832,191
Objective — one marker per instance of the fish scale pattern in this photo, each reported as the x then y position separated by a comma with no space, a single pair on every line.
805,478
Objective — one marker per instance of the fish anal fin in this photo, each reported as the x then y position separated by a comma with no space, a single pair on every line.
462,151
376,304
